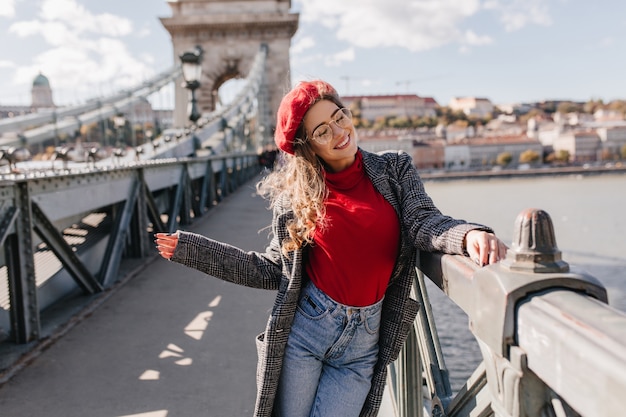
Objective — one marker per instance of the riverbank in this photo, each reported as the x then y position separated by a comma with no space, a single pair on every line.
522,173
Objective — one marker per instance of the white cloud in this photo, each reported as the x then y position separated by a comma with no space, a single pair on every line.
471,38
53,33
516,14
6,64
417,25
80,20
7,8
336,59
26,28
303,44
86,50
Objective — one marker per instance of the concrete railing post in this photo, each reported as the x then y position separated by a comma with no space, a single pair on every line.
533,265
509,302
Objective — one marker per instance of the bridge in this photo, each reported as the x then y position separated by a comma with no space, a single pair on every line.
93,322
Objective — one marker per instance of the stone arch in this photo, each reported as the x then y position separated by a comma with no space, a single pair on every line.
231,34
227,71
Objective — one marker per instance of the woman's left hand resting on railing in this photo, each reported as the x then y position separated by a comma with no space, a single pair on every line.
484,248
166,243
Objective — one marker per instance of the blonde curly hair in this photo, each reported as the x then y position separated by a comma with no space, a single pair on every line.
300,179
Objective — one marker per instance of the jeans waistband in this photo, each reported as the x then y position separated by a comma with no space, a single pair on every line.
320,296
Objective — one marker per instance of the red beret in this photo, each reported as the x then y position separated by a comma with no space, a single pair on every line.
294,106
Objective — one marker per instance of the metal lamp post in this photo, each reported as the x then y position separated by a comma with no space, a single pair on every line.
192,71
119,121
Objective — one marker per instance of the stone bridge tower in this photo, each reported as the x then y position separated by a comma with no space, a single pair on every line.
231,33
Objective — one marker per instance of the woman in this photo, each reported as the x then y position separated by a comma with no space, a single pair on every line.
346,227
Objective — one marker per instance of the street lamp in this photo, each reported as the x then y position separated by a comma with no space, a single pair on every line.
192,71
119,121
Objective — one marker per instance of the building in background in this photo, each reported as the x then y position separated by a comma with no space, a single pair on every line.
397,105
613,140
581,146
472,106
41,98
41,93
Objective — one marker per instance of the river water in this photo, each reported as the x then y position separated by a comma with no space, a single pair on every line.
589,217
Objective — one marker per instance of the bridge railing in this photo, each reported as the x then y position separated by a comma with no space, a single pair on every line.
38,127
551,346
64,233
67,238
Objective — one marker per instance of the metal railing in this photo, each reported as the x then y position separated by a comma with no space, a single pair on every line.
65,232
551,346
64,237
38,127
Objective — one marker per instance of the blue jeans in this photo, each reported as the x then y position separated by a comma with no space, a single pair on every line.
329,358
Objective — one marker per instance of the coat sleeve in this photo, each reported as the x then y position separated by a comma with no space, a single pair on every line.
232,264
428,228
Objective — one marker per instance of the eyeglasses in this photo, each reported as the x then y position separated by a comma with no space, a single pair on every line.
324,133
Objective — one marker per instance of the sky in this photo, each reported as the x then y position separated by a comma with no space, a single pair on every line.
508,51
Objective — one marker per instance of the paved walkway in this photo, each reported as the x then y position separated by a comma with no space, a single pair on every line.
171,342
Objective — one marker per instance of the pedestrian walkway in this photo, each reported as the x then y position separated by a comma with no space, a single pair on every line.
171,342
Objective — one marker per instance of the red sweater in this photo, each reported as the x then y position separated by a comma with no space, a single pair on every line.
352,257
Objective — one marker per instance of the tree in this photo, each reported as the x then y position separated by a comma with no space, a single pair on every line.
547,107
618,106
364,123
355,108
529,156
592,106
569,107
540,114
504,158
561,156
448,116
607,155
399,122
380,123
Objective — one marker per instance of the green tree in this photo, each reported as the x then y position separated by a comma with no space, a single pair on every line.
429,122
380,123
504,158
365,123
447,116
399,122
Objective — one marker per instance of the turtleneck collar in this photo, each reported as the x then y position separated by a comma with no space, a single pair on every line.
349,177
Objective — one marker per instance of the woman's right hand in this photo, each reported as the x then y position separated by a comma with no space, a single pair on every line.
166,244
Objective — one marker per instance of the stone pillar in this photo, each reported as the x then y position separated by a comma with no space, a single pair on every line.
231,33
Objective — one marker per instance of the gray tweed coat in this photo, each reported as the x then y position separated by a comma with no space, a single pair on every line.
423,227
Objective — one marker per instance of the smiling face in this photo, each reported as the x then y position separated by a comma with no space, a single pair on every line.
339,153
